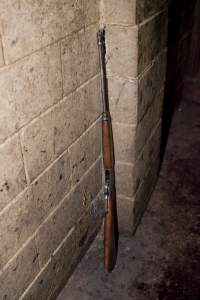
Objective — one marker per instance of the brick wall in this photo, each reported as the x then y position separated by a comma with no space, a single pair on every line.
136,67
50,148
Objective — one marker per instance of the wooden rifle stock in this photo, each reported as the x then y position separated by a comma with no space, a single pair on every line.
110,221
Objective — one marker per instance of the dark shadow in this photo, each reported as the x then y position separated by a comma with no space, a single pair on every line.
180,12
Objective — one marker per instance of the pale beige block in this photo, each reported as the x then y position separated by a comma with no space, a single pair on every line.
123,100
51,134
12,174
38,144
19,273
28,88
1,54
122,51
79,58
51,187
17,223
119,12
75,114
91,11
152,38
85,151
129,177
124,142
66,215
126,182
28,26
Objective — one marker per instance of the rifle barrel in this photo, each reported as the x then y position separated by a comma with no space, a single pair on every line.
103,81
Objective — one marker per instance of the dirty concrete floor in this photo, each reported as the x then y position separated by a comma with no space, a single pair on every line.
162,261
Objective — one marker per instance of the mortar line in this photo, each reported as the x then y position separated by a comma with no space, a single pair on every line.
125,124
125,25
131,199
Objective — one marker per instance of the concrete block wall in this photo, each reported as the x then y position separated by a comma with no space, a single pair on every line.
50,146
136,68
50,137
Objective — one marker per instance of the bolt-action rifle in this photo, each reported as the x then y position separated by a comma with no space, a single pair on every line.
110,221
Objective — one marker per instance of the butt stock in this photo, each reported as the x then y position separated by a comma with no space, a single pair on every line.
110,221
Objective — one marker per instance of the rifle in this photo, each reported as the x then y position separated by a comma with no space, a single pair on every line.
110,221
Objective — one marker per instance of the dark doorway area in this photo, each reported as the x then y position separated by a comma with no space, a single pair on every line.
183,59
